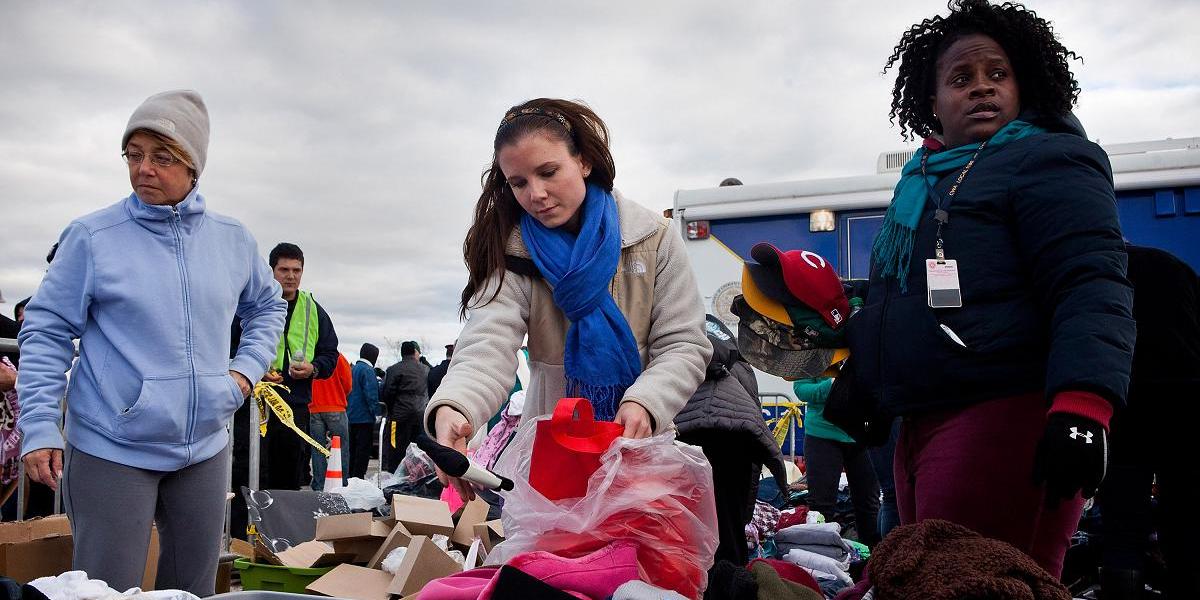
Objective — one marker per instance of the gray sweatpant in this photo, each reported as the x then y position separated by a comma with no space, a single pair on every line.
111,507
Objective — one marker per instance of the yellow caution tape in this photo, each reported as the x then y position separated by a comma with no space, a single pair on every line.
782,423
264,392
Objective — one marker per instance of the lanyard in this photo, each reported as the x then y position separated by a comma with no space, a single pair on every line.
940,214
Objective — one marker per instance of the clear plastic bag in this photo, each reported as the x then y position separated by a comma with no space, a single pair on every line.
361,494
655,492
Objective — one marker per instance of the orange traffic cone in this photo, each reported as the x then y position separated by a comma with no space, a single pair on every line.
333,465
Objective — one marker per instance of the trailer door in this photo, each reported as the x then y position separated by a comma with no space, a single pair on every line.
861,228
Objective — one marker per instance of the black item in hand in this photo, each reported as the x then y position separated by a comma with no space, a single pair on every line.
1072,457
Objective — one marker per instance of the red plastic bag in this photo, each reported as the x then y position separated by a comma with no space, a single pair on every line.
566,451
655,492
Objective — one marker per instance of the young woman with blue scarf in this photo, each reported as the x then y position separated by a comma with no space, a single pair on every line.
998,319
601,286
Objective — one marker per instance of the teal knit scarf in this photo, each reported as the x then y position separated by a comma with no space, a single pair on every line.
892,251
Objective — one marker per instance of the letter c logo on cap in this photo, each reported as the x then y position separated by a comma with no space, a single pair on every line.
809,257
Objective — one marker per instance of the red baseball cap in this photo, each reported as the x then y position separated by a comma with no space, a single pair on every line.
810,278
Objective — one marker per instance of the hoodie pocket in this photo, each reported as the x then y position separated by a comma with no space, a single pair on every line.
160,414
164,405
219,398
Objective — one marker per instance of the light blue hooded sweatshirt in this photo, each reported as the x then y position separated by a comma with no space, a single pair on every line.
150,292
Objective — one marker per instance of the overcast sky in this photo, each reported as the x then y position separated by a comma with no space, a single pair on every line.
359,131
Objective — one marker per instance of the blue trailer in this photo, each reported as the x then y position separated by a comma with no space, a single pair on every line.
1158,198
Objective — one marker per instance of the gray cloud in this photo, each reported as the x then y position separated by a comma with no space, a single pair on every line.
359,130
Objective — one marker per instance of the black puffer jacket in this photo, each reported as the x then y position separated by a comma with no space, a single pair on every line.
1046,304
727,402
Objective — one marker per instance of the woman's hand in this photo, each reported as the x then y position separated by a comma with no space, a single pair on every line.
452,429
636,420
45,466
242,383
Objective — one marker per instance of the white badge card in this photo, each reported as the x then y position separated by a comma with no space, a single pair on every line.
942,282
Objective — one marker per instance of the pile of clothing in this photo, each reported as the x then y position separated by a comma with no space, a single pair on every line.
819,549
939,560
800,537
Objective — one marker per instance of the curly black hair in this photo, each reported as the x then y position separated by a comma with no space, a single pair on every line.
1039,60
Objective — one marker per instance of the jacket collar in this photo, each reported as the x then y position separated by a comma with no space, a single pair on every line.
158,218
637,224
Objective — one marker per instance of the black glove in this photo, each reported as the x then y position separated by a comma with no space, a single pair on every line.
1072,457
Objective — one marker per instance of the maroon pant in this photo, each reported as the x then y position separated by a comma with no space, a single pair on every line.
973,466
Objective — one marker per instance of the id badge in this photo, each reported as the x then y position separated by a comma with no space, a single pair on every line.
941,278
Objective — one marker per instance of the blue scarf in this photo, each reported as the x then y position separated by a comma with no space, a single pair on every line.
892,251
601,358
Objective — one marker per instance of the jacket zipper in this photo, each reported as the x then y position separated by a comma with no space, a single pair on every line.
187,320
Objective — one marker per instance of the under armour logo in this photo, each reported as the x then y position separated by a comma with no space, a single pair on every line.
1076,434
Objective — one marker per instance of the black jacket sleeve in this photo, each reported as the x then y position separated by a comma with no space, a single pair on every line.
326,353
1068,235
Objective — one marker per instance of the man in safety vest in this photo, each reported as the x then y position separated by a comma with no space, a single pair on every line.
307,351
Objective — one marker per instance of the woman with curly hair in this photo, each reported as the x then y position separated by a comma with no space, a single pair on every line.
998,321
601,286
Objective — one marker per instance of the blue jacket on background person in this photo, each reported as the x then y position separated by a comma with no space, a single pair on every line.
152,387
363,402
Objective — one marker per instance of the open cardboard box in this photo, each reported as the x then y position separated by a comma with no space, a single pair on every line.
472,513
397,538
422,516
423,562
356,583
313,554
356,534
491,532
42,547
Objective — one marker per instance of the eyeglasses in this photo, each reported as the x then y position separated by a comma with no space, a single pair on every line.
159,159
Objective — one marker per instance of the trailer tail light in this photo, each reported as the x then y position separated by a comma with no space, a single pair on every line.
697,230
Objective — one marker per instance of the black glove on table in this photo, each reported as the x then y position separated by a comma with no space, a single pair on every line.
1072,457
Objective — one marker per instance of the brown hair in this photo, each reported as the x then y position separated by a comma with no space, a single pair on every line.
497,211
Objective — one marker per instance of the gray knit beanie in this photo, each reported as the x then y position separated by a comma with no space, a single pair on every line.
179,115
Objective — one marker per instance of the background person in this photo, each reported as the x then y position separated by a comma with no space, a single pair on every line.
404,394
362,406
148,286
327,418
1145,435
1006,399
623,326
306,351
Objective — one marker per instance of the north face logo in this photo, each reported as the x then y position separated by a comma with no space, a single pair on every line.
167,124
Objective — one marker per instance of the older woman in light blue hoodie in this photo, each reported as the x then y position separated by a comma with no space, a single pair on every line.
148,286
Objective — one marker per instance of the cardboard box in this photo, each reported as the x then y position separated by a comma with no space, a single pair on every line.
397,538
473,513
35,548
356,583
42,548
422,516
491,532
350,527
423,563
313,554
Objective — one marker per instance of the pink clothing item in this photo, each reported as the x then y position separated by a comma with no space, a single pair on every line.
467,585
450,497
497,439
596,575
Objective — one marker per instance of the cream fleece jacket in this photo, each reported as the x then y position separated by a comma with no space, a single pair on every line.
656,291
